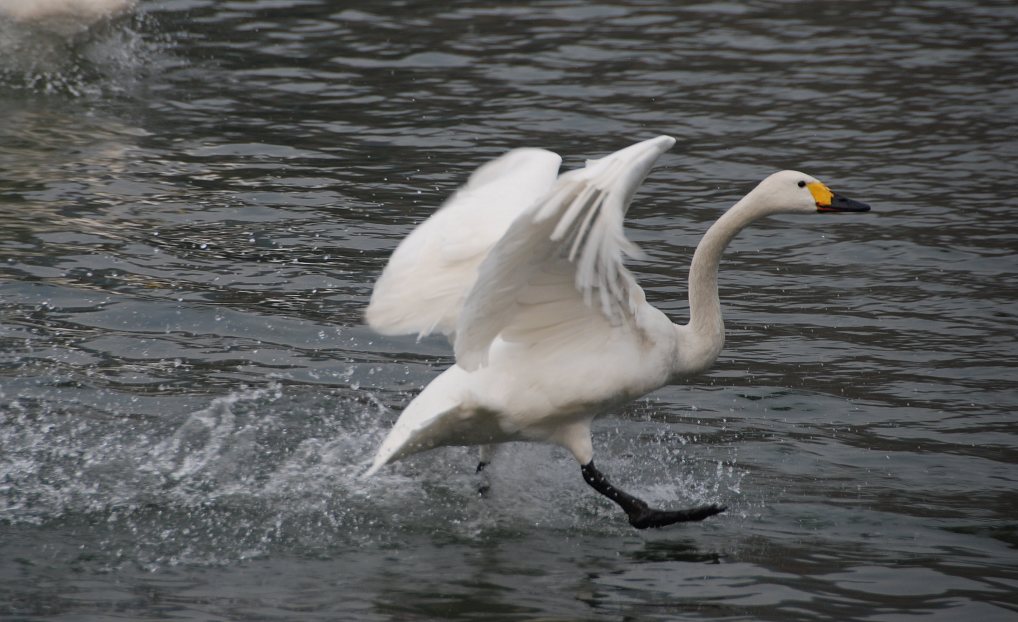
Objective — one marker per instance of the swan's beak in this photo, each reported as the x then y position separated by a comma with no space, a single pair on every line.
828,201
843,204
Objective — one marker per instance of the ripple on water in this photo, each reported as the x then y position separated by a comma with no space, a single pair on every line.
197,197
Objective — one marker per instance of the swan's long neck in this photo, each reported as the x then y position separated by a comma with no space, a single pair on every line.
706,329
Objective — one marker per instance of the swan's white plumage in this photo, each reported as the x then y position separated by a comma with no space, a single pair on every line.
558,269
423,287
83,10
65,18
550,329
552,289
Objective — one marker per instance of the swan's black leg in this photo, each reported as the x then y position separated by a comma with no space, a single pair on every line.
484,486
640,514
486,454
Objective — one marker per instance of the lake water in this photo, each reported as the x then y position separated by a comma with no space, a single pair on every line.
197,197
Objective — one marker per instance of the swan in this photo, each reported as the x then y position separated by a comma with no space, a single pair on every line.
63,15
523,270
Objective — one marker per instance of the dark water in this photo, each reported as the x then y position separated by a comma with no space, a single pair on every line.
196,199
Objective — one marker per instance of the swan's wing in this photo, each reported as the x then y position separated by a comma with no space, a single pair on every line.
557,273
423,286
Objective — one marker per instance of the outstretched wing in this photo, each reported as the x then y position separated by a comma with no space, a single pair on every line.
557,273
426,280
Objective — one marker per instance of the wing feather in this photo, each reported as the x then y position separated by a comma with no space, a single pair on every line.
558,271
422,288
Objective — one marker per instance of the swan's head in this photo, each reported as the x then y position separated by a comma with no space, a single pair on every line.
792,192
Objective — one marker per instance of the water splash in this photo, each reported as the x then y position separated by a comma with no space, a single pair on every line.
209,443
276,467
255,469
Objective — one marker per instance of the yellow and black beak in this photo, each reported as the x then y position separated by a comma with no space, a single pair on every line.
828,201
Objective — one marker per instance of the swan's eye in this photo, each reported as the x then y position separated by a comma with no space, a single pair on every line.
802,184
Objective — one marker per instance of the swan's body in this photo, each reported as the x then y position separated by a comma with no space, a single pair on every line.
63,15
524,272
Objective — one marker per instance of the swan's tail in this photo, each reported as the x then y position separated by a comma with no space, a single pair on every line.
417,430
434,418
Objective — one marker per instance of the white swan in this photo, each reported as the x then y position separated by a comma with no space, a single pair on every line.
523,271
65,16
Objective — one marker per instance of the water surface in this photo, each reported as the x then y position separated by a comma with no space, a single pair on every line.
196,199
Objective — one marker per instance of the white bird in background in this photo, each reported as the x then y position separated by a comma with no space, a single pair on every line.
523,270
66,16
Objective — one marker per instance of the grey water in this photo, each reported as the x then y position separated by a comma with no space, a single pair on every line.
197,197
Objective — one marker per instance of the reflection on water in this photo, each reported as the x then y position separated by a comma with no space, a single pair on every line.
197,196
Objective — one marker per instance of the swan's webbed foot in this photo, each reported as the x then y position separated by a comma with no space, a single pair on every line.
649,517
640,514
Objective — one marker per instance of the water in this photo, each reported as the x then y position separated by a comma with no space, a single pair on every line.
197,197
